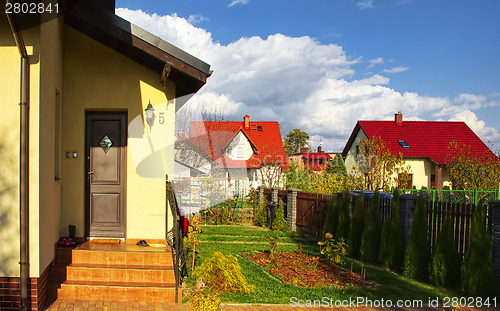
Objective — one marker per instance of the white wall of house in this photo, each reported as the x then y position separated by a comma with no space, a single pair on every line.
350,160
240,148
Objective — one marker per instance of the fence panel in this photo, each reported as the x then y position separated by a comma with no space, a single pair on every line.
282,195
311,212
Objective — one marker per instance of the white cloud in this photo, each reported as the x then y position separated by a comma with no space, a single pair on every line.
376,61
235,2
396,69
490,136
196,19
365,4
301,83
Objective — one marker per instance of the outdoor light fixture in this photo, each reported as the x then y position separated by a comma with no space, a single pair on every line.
150,115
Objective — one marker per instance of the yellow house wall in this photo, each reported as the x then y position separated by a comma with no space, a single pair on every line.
97,78
421,170
10,63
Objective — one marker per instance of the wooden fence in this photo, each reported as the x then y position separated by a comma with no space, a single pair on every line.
311,209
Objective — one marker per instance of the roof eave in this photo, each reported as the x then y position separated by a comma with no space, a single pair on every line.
186,71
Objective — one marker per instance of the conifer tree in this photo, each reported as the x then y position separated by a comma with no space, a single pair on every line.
446,260
478,275
331,219
357,227
344,217
417,254
391,245
279,220
370,242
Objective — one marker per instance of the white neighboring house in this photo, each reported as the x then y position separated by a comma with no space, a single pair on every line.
237,156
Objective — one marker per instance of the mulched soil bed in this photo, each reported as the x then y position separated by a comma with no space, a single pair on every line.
305,271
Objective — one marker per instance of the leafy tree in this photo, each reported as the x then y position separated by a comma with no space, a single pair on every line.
344,217
295,140
380,168
391,248
357,227
470,170
478,275
370,242
418,251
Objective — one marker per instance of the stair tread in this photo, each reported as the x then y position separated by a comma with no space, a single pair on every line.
121,266
120,284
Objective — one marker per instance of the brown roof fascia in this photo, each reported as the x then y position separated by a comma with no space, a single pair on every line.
188,72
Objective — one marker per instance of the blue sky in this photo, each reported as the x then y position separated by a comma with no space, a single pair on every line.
320,65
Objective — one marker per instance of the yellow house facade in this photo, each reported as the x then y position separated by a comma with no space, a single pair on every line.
96,161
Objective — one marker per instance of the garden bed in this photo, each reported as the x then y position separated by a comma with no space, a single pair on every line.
305,271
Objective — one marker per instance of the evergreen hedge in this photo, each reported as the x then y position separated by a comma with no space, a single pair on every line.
446,260
331,219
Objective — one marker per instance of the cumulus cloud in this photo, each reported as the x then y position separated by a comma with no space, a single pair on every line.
396,69
235,2
196,19
302,83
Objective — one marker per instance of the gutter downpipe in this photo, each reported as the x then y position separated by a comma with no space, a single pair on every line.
24,163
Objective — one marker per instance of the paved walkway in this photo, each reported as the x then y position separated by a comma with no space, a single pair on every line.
79,305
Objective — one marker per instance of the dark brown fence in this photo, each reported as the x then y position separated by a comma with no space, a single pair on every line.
311,212
461,218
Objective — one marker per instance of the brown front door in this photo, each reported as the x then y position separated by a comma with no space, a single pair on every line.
106,174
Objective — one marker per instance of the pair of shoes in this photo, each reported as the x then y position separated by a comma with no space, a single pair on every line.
142,243
67,242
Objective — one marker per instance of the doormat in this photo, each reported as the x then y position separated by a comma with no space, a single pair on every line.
105,241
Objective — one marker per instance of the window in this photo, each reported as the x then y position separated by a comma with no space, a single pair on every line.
57,137
240,151
259,127
403,143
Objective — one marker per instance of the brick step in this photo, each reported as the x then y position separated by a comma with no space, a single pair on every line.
118,291
127,273
149,258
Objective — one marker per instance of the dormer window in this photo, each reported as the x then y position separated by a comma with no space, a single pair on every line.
403,143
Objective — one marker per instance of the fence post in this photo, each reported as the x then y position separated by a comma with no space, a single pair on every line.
291,205
494,209
274,195
406,212
261,195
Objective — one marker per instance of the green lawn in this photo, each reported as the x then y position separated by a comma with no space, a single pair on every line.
268,289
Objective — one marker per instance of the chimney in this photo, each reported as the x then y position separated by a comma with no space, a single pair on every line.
304,150
246,120
398,118
319,149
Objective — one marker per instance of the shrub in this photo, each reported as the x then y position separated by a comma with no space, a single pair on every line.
335,251
478,276
204,300
417,254
222,273
391,244
370,241
445,261
279,219
273,245
344,217
357,227
331,219
261,214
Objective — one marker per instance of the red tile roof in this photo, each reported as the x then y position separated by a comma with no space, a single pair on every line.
214,136
426,139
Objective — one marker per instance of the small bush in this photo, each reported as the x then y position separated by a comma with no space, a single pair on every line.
331,219
279,219
370,241
222,273
391,244
445,261
261,214
478,275
335,251
205,301
357,227
417,254
344,217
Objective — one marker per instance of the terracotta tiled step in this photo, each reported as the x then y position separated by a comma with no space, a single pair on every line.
82,256
127,273
118,291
